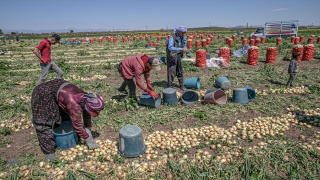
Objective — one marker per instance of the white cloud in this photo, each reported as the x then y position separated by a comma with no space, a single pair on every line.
279,9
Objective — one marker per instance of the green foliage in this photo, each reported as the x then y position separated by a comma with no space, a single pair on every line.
190,67
4,142
62,63
5,131
109,65
82,53
201,114
60,53
3,163
4,65
315,88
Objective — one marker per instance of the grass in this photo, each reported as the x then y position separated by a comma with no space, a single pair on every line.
277,160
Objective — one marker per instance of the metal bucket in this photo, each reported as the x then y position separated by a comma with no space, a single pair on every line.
216,97
170,96
240,95
131,143
65,136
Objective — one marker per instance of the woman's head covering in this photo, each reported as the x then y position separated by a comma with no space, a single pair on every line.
180,28
93,103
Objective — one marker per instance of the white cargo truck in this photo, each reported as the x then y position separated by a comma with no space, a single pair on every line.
282,29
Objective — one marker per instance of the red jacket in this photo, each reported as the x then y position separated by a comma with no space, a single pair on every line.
133,67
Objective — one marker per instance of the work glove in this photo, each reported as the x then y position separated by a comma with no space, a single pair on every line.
89,141
149,86
153,94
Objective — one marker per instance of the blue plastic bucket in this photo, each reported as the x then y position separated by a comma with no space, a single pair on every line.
170,96
223,82
192,83
163,59
240,95
207,56
131,143
147,100
212,90
251,93
189,97
65,136
157,47
147,45
216,97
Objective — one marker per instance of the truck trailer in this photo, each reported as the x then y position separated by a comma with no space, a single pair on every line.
275,29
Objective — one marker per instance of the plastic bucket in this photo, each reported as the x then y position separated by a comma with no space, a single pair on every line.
147,100
223,82
216,97
207,56
240,95
147,45
192,83
65,136
157,47
131,143
163,59
212,90
189,97
251,93
170,96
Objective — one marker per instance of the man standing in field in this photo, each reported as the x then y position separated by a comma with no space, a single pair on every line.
43,52
177,45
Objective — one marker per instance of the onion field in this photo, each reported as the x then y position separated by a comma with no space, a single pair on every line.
275,136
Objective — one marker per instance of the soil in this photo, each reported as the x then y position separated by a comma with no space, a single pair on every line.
25,141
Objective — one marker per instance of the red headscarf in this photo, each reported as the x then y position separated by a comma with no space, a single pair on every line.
145,59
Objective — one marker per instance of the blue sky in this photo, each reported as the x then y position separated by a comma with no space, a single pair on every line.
152,14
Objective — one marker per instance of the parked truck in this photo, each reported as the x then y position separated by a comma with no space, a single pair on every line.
274,29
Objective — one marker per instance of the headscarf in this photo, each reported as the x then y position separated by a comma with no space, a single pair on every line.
93,103
180,28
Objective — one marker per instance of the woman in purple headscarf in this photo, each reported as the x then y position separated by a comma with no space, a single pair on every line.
58,100
177,45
